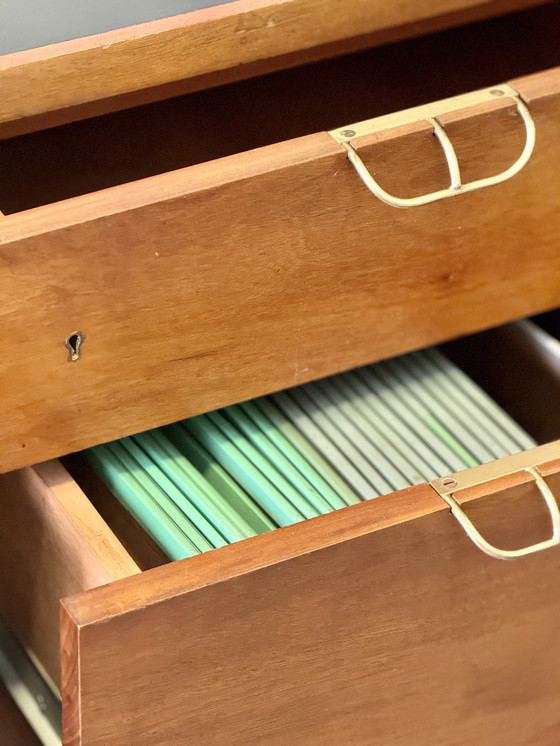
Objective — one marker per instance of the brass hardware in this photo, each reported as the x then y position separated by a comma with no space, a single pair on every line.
430,113
527,461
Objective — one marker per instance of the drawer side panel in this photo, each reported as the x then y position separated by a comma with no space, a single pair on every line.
52,543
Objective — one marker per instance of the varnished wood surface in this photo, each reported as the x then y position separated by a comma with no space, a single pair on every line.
253,273
379,624
52,542
226,37
14,730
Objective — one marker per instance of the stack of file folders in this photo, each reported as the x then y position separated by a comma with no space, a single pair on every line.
234,473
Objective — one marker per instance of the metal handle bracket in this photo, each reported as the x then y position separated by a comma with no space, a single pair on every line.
447,487
430,113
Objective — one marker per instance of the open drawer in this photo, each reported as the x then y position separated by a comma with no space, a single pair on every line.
380,623
61,62
153,299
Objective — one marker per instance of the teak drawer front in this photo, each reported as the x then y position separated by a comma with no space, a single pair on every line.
376,624
228,280
379,624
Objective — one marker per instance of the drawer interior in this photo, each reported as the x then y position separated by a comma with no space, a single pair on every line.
101,152
30,707
514,346
519,366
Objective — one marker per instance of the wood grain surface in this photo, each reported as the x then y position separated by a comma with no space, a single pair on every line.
378,624
228,280
52,542
228,37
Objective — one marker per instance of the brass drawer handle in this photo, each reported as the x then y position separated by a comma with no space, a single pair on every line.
345,136
448,486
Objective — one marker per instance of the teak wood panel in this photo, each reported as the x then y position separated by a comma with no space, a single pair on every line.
52,543
237,37
378,624
227,280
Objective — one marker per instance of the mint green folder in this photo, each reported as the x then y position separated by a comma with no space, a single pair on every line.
219,478
399,398
464,413
193,485
303,483
298,461
500,443
504,426
425,460
345,420
291,441
342,443
271,500
321,442
417,382
375,436
177,504
262,464
141,503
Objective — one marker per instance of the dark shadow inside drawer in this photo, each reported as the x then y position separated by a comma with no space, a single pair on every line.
519,366
82,157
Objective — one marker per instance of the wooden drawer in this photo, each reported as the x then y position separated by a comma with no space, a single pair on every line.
243,274
121,57
289,636
377,624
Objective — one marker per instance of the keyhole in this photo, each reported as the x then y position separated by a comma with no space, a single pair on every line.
74,346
